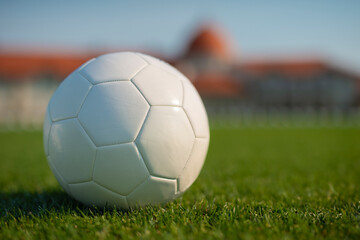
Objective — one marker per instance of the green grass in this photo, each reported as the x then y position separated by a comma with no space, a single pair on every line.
256,184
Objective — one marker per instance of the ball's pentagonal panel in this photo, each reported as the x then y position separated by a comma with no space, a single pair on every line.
152,81
113,67
92,194
165,141
119,168
113,113
195,110
163,65
154,191
71,151
58,177
46,131
68,98
194,164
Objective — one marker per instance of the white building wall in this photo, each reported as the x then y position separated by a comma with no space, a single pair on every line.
24,104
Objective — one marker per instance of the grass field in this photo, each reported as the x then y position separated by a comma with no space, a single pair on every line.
257,183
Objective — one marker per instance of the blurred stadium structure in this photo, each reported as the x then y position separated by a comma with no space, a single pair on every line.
267,91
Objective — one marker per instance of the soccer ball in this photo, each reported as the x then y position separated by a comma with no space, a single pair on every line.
126,130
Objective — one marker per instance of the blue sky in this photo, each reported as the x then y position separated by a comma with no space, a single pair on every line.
326,28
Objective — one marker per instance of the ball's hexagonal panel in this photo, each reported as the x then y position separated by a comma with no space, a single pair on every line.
195,110
92,194
84,64
163,65
58,177
159,87
46,131
71,151
154,191
194,164
113,67
113,113
68,98
119,168
165,141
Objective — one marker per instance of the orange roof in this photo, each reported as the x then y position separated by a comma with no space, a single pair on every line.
211,42
289,68
24,67
29,65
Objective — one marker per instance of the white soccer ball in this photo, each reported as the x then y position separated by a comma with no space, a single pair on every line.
126,130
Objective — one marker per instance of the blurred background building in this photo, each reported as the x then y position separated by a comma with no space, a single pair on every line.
229,83
294,83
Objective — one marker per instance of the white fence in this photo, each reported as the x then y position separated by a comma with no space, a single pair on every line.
285,118
248,118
